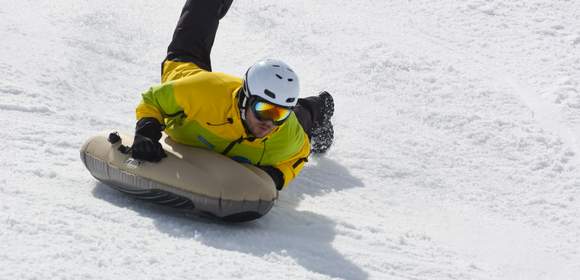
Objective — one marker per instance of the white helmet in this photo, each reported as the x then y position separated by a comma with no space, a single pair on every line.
273,81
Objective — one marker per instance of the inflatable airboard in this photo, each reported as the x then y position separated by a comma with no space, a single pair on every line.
188,178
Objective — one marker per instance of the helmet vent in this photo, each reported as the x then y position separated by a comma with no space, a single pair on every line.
269,93
279,77
275,65
290,100
290,80
290,70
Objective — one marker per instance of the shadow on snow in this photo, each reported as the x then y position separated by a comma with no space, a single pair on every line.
303,236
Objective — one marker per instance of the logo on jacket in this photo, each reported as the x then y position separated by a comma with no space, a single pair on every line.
205,142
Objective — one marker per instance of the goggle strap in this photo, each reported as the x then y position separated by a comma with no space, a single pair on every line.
243,100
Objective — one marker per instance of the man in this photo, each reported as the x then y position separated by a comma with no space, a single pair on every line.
258,119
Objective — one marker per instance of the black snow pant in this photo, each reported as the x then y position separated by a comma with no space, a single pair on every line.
193,40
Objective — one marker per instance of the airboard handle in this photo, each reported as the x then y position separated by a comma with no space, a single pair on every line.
114,138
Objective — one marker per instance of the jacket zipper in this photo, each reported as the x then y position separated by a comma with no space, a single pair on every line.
231,145
263,151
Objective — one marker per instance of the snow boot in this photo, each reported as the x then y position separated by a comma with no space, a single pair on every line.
322,134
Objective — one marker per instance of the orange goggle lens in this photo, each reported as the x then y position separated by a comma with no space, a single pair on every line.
265,111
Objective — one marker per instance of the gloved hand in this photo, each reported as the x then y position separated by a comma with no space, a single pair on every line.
276,175
146,144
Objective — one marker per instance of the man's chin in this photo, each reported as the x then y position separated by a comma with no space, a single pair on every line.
261,132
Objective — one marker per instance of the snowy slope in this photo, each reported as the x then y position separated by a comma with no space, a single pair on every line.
456,156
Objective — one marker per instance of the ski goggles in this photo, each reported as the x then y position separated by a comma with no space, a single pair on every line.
266,111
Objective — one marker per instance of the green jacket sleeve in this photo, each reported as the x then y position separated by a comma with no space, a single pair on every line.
158,102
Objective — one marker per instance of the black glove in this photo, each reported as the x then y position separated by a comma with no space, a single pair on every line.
276,175
146,144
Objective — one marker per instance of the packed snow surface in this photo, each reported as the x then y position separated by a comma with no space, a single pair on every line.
457,150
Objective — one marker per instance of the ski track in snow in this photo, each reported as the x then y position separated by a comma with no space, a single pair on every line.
456,156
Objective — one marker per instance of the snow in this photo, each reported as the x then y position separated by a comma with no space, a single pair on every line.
456,156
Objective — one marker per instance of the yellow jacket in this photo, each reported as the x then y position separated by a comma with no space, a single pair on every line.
200,108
